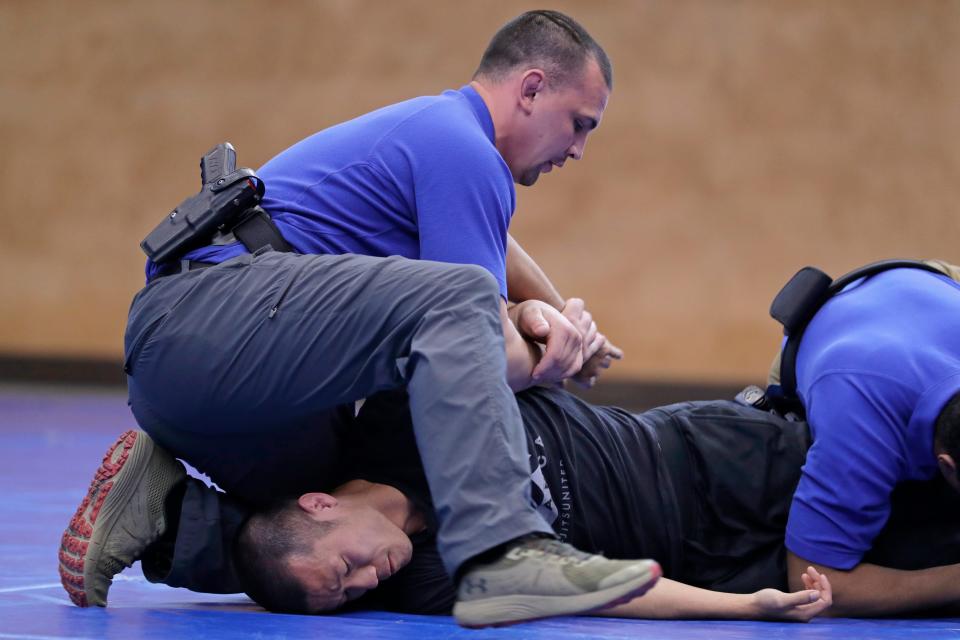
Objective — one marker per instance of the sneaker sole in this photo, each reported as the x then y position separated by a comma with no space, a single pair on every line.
503,611
107,498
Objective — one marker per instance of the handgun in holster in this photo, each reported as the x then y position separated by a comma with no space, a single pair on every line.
228,202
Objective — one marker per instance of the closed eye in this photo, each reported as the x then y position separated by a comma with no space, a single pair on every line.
584,122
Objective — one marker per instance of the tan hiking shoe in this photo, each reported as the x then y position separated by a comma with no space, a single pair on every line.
121,515
542,577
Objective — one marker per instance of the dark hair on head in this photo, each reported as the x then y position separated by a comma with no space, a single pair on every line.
266,542
948,428
547,39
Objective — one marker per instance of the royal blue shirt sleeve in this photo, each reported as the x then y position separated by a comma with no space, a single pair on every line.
843,499
463,195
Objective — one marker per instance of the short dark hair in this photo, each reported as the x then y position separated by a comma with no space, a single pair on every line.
546,39
267,540
948,427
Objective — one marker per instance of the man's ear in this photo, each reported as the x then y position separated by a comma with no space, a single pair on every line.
532,83
948,466
315,503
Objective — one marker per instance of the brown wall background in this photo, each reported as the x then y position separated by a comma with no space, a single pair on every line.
743,140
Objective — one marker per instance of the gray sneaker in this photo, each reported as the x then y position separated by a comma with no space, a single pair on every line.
121,515
542,577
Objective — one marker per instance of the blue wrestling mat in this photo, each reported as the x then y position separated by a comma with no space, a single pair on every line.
51,440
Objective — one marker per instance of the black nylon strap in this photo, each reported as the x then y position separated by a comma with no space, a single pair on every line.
258,231
788,359
173,267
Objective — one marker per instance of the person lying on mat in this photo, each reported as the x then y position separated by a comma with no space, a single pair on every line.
700,485
704,487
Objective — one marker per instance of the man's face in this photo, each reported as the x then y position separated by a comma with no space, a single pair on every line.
362,550
557,125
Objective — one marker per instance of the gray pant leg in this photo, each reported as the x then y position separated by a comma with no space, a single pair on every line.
249,353
467,425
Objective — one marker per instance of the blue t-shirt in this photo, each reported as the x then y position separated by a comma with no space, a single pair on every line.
875,368
420,179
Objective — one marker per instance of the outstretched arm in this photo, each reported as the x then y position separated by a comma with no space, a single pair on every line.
871,590
669,599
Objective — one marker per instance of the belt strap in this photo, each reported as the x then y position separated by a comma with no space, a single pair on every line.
181,266
259,231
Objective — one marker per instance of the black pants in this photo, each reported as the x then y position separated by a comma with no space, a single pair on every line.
734,469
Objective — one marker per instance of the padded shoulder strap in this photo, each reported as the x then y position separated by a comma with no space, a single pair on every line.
806,292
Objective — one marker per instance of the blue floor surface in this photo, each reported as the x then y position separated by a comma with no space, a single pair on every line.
52,439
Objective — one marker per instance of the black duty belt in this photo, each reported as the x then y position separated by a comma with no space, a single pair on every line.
258,233
172,268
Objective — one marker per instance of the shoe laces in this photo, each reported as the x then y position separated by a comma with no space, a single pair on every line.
548,547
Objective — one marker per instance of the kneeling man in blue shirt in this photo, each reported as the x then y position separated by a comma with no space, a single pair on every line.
878,373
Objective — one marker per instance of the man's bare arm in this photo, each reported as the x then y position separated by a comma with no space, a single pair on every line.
670,600
526,280
528,364
522,355
870,590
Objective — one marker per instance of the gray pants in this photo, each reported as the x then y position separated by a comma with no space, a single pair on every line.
244,369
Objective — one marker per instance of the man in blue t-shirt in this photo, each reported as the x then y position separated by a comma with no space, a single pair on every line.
878,373
247,365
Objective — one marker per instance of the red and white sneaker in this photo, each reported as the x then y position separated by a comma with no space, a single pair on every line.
121,515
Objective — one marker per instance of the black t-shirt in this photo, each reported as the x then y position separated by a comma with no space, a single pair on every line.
597,477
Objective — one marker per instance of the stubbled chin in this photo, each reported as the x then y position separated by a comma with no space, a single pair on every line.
529,178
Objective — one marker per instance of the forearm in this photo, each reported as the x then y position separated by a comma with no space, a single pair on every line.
869,590
522,355
526,280
669,600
